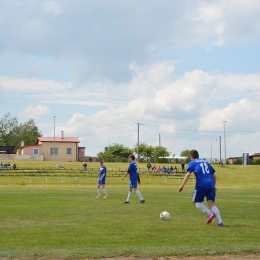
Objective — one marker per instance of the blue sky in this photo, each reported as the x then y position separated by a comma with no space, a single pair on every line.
180,68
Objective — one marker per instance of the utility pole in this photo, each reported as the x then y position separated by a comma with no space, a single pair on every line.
211,150
159,139
225,141
54,140
220,160
138,142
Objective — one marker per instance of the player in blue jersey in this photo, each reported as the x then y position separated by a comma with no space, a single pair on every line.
102,180
134,178
205,186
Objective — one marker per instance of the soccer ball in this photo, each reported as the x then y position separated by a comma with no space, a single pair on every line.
165,215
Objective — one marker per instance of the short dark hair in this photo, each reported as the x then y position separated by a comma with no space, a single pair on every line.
132,157
194,154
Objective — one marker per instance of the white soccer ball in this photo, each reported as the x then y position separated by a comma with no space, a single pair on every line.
165,215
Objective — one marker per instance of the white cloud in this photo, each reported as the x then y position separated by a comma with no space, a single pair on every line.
116,35
38,111
240,116
230,21
51,7
193,105
31,85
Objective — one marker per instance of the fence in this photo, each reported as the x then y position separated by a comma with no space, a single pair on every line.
114,180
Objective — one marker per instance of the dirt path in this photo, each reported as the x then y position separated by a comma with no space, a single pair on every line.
216,257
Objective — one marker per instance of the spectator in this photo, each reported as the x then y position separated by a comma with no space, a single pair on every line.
14,166
175,170
171,169
149,166
183,166
168,170
164,169
158,169
154,168
85,166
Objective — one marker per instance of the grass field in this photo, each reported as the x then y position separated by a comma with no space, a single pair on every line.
63,219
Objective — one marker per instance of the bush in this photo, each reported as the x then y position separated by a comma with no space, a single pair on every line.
238,162
257,162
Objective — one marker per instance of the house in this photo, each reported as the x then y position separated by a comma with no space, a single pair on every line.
231,160
53,149
66,150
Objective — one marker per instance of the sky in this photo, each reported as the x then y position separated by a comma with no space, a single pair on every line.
178,68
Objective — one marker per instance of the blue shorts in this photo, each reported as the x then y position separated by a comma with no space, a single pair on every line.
133,184
199,195
102,182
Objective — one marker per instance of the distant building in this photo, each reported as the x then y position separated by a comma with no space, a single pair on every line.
253,157
62,148
58,149
7,149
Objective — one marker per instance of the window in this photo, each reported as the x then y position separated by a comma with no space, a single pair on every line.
69,152
56,150
35,151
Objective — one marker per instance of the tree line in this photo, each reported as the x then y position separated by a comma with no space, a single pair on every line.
12,132
119,153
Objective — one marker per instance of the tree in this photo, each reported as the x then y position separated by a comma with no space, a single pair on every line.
160,152
185,153
151,152
145,151
28,132
12,133
116,152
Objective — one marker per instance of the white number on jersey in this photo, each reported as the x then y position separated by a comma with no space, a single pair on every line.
204,167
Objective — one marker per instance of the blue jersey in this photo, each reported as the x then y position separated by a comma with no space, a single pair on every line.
102,170
203,172
133,171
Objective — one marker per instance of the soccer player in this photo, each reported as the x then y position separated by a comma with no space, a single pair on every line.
134,178
102,180
205,186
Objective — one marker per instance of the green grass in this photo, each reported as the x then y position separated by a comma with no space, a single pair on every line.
62,219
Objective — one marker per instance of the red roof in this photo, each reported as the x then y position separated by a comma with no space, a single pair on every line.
58,139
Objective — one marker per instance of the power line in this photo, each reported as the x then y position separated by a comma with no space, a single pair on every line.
179,129
109,130
189,130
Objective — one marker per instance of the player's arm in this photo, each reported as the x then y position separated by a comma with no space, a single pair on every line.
128,171
103,176
187,176
214,176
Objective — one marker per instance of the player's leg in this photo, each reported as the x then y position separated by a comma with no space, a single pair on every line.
197,199
139,194
129,194
105,190
98,190
211,202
